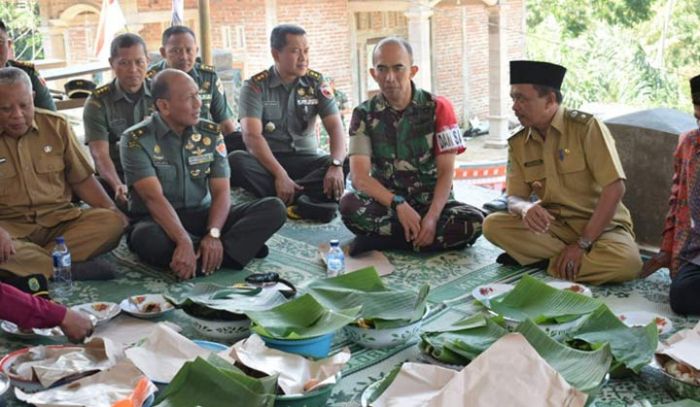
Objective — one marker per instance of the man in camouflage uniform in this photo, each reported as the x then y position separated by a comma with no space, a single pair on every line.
403,144
42,96
568,159
179,51
278,111
114,107
177,167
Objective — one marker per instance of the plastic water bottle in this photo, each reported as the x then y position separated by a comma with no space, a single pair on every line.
335,261
62,278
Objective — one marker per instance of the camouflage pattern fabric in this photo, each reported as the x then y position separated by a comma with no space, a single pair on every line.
402,151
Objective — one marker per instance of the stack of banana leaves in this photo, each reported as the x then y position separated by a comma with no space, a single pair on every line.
382,307
592,343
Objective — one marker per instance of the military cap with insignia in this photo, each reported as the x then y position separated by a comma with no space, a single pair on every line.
537,73
79,88
695,89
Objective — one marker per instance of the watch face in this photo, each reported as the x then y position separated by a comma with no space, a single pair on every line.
337,163
215,233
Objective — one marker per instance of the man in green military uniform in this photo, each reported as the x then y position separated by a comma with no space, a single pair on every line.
568,160
114,107
403,144
278,110
176,165
42,96
179,51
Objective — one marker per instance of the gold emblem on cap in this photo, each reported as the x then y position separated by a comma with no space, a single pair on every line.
48,148
206,141
156,149
269,127
196,137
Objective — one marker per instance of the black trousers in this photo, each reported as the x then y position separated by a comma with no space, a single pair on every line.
247,228
307,170
685,290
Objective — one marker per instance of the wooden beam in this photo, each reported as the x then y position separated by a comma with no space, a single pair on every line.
205,32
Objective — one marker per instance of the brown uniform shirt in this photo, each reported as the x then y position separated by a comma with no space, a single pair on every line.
569,168
36,173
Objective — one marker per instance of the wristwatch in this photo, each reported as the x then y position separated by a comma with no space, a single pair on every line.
396,201
215,233
584,243
336,163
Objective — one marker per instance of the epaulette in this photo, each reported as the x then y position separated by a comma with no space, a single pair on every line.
516,131
51,113
261,76
208,68
152,72
208,126
136,133
314,74
579,116
101,91
27,66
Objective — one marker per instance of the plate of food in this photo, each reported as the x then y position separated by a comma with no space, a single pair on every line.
146,305
571,286
54,333
485,293
101,311
642,318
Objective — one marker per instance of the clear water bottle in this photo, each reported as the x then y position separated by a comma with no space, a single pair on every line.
335,261
62,278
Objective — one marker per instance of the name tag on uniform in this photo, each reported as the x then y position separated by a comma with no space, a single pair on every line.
534,163
307,102
200,159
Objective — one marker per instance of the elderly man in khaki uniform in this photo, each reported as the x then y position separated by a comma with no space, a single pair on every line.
568,160
41,166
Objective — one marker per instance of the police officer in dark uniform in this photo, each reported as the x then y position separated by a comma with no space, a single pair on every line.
116,106
42,96
176,165
278,111
179,51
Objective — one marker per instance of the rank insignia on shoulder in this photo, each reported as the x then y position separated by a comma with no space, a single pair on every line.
261,76
208,68
516,131
579,116
151,73
314,74
102,90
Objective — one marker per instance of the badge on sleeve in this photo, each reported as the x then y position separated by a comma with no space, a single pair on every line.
327,90
221,148
449,139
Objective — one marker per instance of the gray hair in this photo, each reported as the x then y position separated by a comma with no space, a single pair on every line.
11,75
402,42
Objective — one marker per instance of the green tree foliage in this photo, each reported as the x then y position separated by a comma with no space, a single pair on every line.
22,20
632,52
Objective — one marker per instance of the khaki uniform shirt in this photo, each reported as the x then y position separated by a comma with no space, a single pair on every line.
42,96
109,111
567,169
36,173
183,164
211,90
288,111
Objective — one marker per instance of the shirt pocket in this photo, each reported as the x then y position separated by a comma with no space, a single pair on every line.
534,175
9,183
272,111
50,170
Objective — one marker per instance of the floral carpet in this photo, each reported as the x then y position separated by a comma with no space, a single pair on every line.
452,276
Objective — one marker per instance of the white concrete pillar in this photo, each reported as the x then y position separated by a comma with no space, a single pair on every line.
499,88
418,16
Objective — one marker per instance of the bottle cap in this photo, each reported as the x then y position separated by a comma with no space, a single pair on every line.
335,242
60,240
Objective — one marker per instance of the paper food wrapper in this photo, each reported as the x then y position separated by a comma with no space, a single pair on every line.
163,353
373,258
49,364
294,370
125,330
509,373
683,346
99,390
